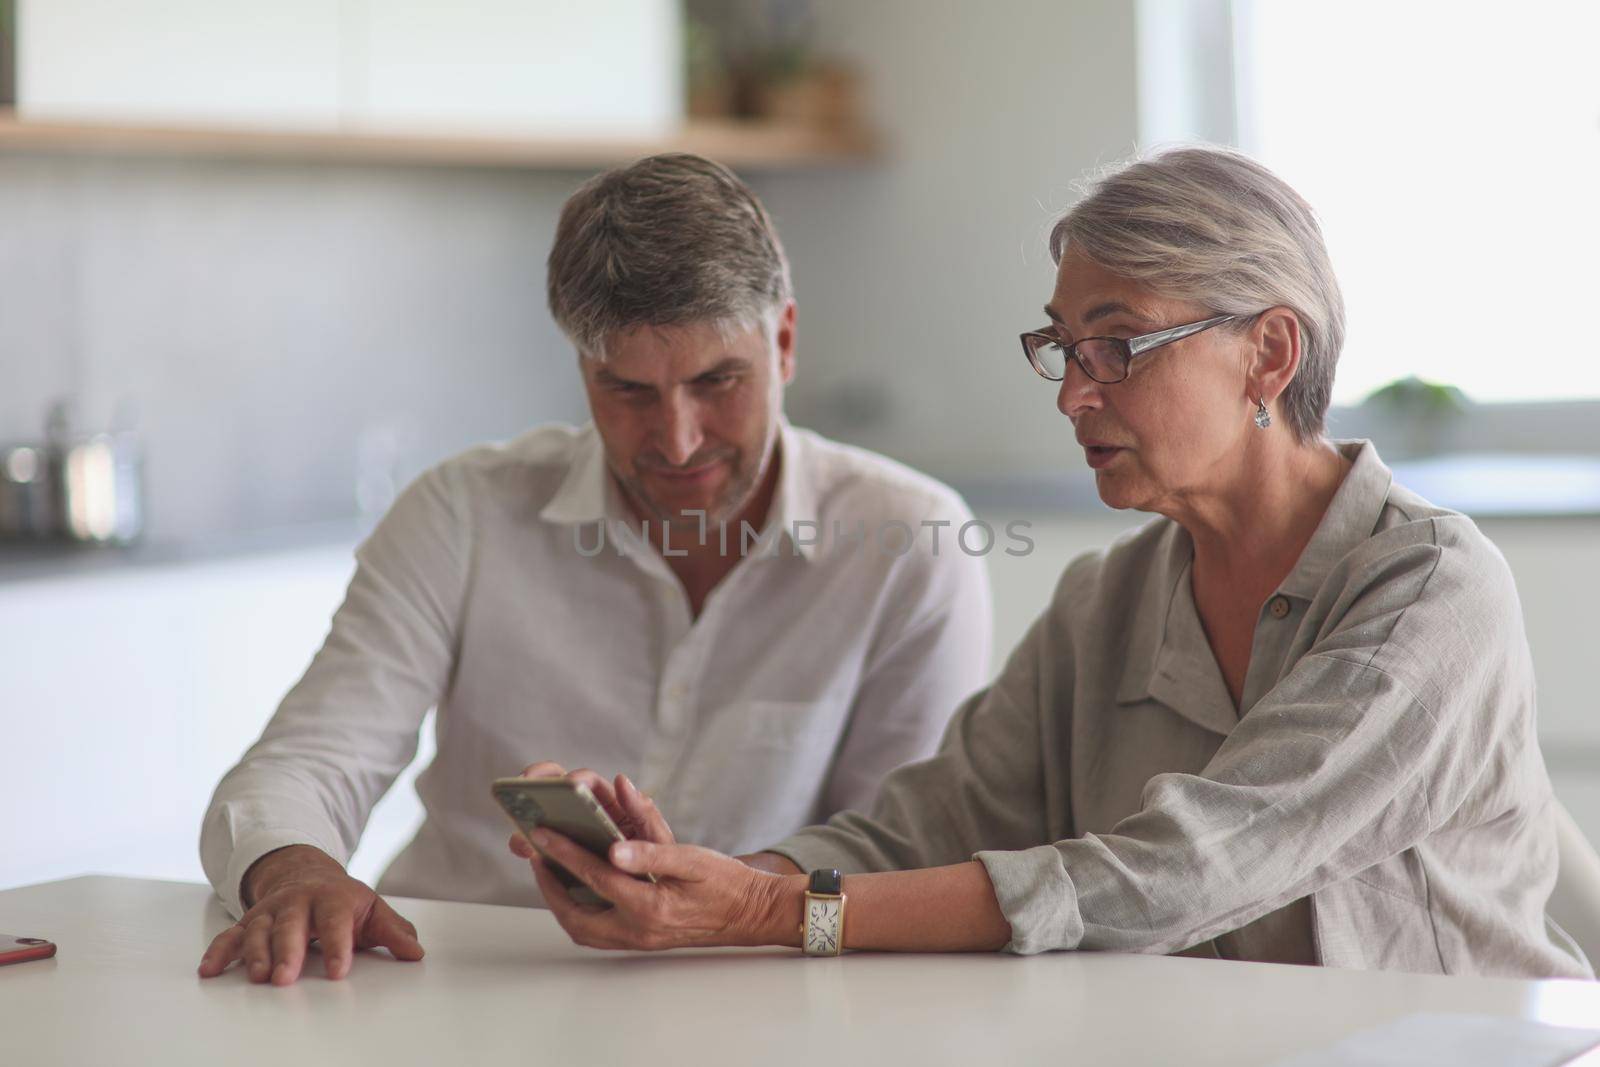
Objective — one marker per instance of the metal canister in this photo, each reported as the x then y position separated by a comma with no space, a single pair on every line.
28,497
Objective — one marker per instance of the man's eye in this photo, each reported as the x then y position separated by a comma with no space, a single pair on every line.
717,380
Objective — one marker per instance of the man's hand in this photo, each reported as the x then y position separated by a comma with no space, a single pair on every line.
635,814
296,894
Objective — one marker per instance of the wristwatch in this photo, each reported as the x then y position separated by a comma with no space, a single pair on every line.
822,932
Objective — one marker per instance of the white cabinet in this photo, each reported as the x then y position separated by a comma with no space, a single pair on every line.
492,66
238,62
609,68
129,693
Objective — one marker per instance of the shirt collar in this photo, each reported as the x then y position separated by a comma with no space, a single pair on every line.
795,499
1351,517
589,493
1169,658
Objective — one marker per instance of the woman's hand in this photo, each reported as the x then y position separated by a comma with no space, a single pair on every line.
700,897
635,814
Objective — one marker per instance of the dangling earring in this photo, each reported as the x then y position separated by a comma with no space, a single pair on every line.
1263,416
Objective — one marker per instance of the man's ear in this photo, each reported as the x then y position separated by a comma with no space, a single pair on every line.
1276,353
786,343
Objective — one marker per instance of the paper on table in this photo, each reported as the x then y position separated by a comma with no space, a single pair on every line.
1453,1041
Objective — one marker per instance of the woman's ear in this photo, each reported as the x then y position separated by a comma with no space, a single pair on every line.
1275,339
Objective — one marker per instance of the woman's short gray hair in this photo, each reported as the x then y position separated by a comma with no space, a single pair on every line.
669,240
1214,226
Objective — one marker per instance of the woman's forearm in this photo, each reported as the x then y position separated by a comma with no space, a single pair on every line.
936,909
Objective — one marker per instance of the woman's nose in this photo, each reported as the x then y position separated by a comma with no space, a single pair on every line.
1079,393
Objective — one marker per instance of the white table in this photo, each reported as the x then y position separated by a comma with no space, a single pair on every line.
505,982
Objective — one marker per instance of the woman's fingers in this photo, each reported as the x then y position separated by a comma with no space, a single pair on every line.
642,814
520,847
594,872
601,789
683,862
543,769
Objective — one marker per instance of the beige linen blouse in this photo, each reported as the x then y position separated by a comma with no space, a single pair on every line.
1378,800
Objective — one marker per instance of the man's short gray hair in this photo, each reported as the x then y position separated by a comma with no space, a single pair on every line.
670,240
1213,226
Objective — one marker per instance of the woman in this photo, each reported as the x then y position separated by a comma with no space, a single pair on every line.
1290,720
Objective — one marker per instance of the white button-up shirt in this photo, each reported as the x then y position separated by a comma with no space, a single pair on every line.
511,588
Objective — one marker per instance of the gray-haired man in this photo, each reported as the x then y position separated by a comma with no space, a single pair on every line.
756,623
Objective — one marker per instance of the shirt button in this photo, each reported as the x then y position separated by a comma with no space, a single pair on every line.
1279,606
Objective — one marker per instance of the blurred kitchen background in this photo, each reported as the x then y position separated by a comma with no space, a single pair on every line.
260,264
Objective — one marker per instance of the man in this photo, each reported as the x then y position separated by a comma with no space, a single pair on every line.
756,623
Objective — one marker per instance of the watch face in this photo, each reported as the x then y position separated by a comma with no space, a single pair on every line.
822,926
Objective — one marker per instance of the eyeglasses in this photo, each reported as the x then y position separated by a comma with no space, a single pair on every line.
1103,359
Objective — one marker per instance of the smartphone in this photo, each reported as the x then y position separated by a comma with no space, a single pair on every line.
567,807
14,949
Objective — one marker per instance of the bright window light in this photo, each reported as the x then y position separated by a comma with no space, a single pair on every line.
1453,153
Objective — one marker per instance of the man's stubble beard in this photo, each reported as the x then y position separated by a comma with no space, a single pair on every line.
733,499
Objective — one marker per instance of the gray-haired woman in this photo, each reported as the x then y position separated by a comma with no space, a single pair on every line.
1290,720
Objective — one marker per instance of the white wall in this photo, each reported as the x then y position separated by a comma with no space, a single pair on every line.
915,275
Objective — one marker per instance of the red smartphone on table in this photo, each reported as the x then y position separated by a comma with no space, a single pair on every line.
14,949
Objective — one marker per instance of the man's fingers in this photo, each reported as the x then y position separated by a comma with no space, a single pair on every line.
544,769
257,948
590,869
389,929
223,950
683,862
289,939
335,926
520,846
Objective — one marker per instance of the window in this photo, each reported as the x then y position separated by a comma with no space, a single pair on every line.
1453,153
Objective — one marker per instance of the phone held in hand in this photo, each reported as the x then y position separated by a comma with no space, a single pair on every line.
568,808
14,949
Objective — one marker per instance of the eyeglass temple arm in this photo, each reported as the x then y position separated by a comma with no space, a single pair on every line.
1177,333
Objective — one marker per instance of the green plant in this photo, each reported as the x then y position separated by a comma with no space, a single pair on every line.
1415,397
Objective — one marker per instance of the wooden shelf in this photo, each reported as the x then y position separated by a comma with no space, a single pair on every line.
746,145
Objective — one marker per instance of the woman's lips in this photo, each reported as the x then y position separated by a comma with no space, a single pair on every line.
1099,455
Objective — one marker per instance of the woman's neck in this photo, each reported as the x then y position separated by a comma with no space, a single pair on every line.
1250,529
